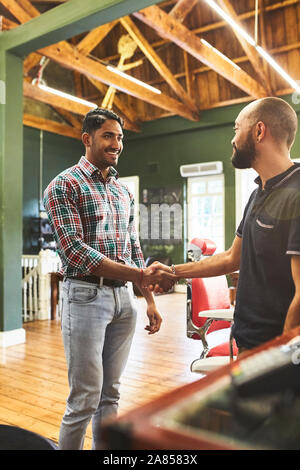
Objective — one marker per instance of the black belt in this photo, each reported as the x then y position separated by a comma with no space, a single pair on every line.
100,281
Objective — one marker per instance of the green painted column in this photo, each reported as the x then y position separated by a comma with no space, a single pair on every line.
11,191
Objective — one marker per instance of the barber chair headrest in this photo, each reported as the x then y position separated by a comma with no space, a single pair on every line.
201,247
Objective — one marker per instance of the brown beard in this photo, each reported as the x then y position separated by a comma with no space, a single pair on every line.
244,156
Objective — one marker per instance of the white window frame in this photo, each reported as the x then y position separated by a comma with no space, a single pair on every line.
244,185
133,183
191,180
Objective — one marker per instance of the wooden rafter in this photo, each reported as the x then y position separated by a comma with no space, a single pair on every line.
250,51
51,126
263,42
36,93
94,37
221,24
67,56
209,90
86,45
6,24
168,27
182,9
62,104
64,54
157,62
68,117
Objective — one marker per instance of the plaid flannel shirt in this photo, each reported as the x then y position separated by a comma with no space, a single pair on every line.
91,219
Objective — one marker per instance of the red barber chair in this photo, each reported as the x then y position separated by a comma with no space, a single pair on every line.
209,313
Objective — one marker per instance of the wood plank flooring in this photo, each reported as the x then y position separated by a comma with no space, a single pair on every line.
33,376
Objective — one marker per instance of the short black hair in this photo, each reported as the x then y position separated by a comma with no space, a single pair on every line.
94,119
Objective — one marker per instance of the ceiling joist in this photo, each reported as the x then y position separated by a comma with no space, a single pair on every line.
156,61
169,28
199,78
250,51
69,57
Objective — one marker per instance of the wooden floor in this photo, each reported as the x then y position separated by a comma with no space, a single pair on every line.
33,376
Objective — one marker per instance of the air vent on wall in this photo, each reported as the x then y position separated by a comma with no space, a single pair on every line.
201,169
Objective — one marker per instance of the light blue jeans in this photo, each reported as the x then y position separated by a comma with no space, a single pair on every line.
97,324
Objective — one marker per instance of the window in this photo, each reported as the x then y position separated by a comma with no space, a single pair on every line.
244,185
132,183
205,209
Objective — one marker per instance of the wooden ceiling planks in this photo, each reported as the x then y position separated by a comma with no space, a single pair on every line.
198,85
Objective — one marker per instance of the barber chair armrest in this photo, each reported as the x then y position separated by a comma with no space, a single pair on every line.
219,314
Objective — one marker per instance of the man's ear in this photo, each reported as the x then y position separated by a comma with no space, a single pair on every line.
86,139
260,131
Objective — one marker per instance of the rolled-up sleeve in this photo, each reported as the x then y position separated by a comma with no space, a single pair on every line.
61,205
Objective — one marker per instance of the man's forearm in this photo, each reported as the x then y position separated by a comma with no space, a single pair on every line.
293,315
147,294
113,270
217,265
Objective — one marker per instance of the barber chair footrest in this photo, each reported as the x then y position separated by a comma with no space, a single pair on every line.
210,363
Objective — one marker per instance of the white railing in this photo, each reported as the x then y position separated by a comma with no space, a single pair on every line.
36,284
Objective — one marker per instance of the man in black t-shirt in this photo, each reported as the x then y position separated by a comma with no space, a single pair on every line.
266,247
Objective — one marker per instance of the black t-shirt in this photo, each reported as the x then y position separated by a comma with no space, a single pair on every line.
270,230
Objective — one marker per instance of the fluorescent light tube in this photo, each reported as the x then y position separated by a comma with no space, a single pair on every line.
220,54
66,95
251,41
232,23
278,69
132,79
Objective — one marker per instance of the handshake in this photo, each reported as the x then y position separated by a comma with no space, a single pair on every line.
158,277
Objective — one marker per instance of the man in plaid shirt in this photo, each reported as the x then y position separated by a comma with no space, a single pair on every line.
91,215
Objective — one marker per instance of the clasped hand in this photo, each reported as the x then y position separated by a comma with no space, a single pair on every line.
158,277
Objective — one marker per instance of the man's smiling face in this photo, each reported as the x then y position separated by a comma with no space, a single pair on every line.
106,144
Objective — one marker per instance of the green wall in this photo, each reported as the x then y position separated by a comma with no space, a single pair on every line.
155,155
45,154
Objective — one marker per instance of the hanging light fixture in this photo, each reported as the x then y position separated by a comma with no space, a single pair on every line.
133,79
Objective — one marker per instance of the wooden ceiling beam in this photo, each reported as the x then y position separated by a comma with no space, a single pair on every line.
64,54
179,12
169,28
220,24
51,126
31,61
94,37
17,10
68,57
182,9
157,62
266,66
237,60
68,117
6,24
252,54
87,44
38,94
